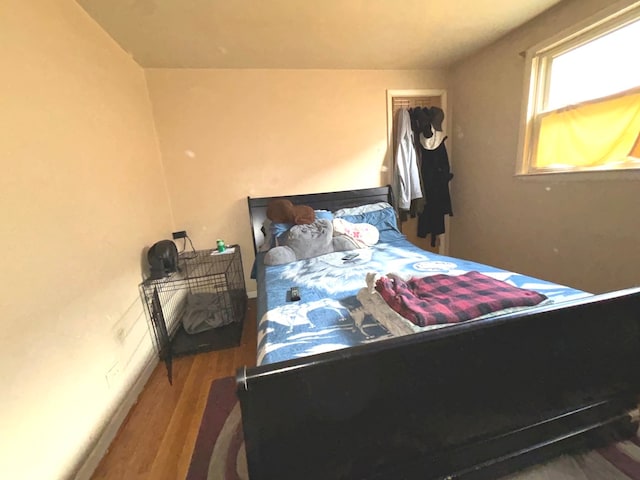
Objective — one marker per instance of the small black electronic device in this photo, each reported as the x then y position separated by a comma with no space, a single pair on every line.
350,256
294,294
163,259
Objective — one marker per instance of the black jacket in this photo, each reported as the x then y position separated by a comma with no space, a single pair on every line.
436,174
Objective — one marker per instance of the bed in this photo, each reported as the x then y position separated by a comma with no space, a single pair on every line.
345,390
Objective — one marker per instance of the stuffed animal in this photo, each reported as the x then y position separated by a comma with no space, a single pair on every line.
282,210
307,241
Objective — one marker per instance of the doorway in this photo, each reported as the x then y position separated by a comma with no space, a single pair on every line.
397,99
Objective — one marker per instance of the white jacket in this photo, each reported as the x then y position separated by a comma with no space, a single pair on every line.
406,172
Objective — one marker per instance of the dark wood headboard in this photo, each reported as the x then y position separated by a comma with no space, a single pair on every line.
319,201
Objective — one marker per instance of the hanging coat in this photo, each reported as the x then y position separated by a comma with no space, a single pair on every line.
436,175
406,171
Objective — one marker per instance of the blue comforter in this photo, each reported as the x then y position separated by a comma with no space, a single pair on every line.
332,313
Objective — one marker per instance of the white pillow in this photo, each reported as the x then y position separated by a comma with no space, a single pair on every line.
371,207
362,233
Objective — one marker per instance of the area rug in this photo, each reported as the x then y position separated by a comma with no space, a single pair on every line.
219,452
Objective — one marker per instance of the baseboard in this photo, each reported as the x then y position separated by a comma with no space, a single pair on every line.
102,444
252,294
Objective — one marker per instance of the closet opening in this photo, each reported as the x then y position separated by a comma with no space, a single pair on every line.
409,99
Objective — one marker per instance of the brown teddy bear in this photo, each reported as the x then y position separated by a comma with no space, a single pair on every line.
281,210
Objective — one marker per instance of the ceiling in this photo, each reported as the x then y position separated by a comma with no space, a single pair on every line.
294,34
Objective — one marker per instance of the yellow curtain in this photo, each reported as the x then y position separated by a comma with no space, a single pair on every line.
593,134
635,151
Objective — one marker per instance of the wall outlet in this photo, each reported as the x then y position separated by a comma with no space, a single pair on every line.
180,234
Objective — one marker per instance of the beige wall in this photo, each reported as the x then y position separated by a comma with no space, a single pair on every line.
576,230
227,134
81,194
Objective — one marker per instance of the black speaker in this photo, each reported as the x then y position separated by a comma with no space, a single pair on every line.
163,259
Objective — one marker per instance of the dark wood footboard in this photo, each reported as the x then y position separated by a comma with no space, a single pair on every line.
473,400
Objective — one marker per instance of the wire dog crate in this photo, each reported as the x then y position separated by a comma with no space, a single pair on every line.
200,307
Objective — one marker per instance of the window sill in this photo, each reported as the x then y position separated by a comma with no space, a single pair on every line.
582,175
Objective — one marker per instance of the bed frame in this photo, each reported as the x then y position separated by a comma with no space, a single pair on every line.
473,400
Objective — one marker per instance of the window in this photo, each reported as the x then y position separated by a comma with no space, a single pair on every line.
583,103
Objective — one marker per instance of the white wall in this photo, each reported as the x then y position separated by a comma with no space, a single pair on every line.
81,194
229,134
577,230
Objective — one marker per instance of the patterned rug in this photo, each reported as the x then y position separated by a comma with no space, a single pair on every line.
219,451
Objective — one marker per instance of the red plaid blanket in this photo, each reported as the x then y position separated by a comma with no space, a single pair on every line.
451,299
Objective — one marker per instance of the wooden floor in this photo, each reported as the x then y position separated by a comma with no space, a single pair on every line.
156,440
